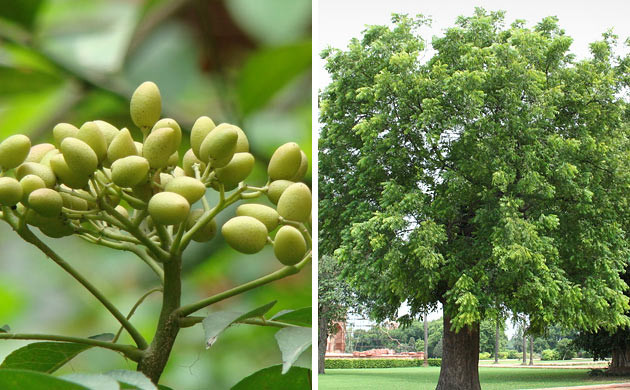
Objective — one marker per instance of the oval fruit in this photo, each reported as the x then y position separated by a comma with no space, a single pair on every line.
168,122
289,245
37,169
67,176
146,105
264,214
38,152
188,161
121,146
10,191
73,202
236,171
109,131
276,188
242,144
130,171
205,232
188,187
295,203
46,202
62,131
168,208
245,234
79,156
285,162
30,183
13,151
159,146
92,135
203,125
299,175
218,147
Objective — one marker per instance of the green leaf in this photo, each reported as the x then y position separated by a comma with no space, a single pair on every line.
268,71
162,387
305,360
292,342
299,317
271,378
132,379
23,12
93,381
47,356
218,321
11,379
5,328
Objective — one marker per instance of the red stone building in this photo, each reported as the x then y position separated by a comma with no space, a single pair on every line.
336,342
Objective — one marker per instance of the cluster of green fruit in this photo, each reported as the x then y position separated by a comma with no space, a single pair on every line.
96,178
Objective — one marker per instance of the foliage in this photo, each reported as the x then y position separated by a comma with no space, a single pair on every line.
484,355
74,61
334,296
493,172
379,363
549,354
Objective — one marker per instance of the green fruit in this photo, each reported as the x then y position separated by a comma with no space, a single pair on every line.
168,122
236,171
130,171
79,156
165,178
159,146
122,211
178,171
92,135
299,175
245,234
289,245
109,131
206,232
188,187
121,146
54,227
144,192
218,147
295,203
242,144
46,159
168,208
62,131
139,146
29,184
43,171
188,161
173,160
38,151
10,191
264,214
73,202
146,105
285,162
13,151
202,127
276,189
67,176
46,202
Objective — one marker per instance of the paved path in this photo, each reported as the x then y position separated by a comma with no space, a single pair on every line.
616,386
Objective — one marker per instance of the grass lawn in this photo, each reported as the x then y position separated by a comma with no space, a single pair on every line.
421,378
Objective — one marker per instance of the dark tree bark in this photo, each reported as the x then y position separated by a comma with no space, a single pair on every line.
460,358
531,350
426,341
496,343
524,347
321,343
620,363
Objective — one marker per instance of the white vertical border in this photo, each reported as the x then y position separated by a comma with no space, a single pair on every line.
314,180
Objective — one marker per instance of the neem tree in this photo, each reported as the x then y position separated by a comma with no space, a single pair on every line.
97,183
490,176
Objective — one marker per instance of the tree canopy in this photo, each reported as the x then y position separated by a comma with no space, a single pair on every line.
488,171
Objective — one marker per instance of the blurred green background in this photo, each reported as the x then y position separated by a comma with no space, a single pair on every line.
238,61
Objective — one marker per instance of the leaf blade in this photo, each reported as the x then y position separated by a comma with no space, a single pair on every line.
215,323
271,378
299,317
292,341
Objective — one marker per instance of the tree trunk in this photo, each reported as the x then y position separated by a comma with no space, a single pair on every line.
321,344
426,341
531,350
460,358
620,363
496,344
524,347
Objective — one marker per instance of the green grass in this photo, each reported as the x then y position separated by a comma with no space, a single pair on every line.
426,378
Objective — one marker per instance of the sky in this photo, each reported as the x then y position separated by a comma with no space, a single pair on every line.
583,20
337,21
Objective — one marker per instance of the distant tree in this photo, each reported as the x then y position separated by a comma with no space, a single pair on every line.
492,171
334,299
